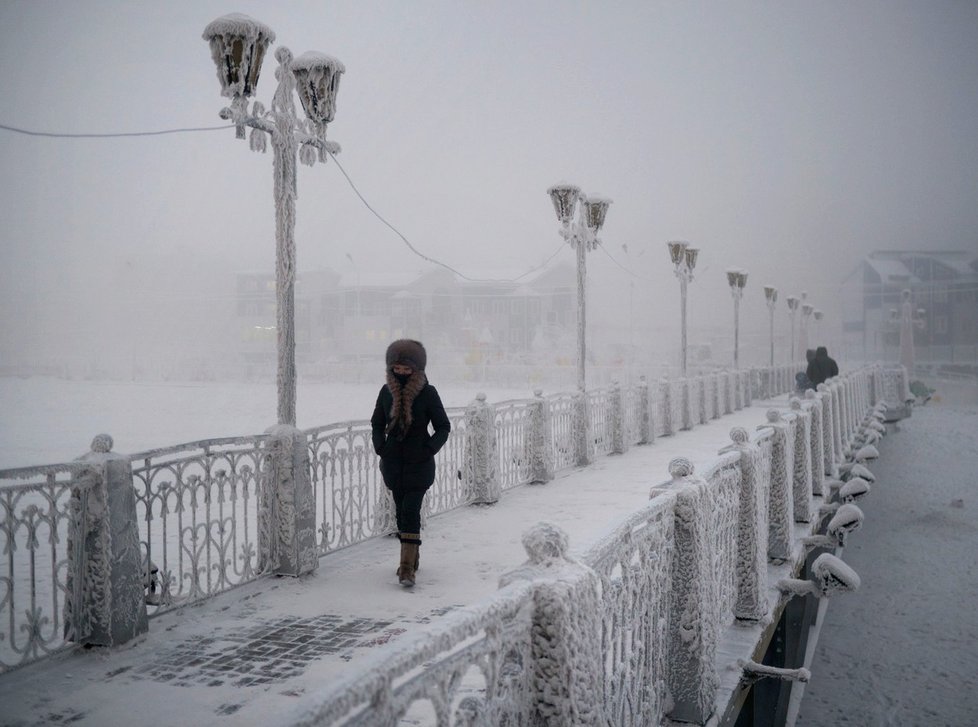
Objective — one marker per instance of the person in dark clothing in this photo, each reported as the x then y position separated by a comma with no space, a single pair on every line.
822,367
802,382
405,406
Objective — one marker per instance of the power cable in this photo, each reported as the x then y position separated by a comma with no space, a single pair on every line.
28,132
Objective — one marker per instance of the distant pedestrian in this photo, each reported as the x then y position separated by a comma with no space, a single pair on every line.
406,405
822,367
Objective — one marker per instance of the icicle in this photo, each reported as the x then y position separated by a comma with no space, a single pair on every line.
257,141
307,154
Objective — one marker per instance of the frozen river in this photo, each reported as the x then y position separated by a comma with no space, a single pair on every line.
45,420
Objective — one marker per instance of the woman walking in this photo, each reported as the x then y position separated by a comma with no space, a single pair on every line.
406,405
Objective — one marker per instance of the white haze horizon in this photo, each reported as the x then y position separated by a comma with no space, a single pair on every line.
788,139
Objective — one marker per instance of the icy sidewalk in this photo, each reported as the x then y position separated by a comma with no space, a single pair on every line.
246,656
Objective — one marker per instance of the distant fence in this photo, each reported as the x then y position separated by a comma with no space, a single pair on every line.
214,514
627,635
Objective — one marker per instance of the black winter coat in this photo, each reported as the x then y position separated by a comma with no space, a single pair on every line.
822,367
408,462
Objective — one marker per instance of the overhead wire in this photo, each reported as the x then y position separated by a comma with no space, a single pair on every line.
30,132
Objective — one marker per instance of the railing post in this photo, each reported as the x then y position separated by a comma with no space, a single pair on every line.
692,676
717,407
828,429
481,470
565,645
701,387
751,604
540,440
802,488
817,441
780,505
748,387
287,514
687,414
108,607
583,454
617,414
646,426
665,395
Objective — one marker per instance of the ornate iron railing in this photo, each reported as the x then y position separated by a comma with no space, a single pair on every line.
471,667
198,509
599,412
512,419
634,564
42,531
562,415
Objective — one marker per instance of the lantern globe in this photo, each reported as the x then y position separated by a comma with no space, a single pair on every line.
691,254
595,211
317,78
238,44
564,198
677,250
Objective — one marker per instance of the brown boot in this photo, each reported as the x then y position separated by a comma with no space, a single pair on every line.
409,558
417,556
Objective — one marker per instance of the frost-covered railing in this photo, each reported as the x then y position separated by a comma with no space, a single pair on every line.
511,422
472,667
198,506
42,535
562,414
628,634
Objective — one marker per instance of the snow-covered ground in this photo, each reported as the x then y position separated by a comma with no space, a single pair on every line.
903,650
45,420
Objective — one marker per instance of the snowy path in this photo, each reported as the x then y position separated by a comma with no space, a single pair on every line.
904,649
224,662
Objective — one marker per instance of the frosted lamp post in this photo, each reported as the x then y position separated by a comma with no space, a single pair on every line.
793,302
817,315
806,313
238,45
684,259
737,279
907,324
580,220
771,298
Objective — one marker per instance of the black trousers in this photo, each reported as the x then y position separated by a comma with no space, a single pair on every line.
408,507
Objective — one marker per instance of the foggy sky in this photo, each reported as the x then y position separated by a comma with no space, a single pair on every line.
787,138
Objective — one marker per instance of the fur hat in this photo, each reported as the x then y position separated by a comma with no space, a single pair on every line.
407,352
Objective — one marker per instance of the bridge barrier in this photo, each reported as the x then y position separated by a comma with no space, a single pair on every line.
214,514
628,633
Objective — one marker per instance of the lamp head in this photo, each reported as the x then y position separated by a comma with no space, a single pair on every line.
818,314
564,198
238,44
595,210
691,254
770,293
733,278
677,251
742,279
792,302
317,80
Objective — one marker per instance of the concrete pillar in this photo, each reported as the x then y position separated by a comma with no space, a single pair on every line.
106,604
817,441
665,396
480,468
583,442
780,502
646,421
287,514
617,414
802,480
752,532
567,670
540,440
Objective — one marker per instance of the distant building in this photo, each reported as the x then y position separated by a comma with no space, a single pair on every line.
352,317
944,289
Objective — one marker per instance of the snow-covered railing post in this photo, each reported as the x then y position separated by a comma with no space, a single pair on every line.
828,430
731,385
583,454
687,415
480,463
701,391
748,387
780,505
693,622
617,414
838,420
817,445
716,410
752,532
540,440
802,481
566,686
287,514
665,395
111,608
646,426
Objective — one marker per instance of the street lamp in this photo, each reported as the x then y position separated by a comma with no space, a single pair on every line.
806,312
737,279
818,325
908,321
238,45
792,301
771,297
580,219
684,259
